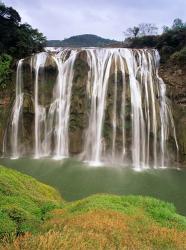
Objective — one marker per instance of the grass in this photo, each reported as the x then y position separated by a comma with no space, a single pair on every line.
96,222
161,212
23,202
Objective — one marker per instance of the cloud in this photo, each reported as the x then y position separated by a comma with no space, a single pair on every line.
58,19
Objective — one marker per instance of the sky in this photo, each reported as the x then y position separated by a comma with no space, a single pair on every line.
59,19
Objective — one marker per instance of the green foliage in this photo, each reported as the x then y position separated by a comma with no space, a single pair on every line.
159,211
9,14
18,40
179,57
172,40
5,63
23,202
141,42
178,24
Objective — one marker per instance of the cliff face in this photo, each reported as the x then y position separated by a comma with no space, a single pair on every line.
6,99
174,77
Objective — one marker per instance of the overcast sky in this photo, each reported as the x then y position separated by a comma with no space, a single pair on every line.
59,19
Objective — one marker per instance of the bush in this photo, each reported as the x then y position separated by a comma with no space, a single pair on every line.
5,63
179,57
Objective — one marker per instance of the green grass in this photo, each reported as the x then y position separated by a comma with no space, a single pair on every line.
161,212
113,222
23,202
34,216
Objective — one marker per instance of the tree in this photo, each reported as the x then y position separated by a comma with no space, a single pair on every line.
17,39
132,32
148,29
178,24
165,29
10,14
143,29
29,40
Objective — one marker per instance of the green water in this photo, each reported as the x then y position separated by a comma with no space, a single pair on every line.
75,180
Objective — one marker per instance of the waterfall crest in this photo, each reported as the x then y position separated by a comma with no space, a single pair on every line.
129,117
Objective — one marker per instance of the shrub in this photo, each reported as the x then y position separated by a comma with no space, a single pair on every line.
179,57
5,63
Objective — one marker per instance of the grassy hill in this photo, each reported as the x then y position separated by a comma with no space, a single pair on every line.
23,202
87,40
33,216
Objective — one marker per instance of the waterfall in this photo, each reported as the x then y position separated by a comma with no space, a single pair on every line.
165,115
58,115
144,84
100,64
40,112
16,111
114,114
129,117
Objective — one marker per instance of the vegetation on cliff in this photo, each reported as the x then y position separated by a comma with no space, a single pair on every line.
33,216
5,69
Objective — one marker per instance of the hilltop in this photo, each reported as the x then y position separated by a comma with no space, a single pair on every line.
86,40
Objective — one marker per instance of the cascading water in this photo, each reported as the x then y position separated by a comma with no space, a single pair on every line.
40,112
58,115
100,63
166,116
16,111
129,118
114,115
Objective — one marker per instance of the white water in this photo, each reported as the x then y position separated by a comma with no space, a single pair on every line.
166,117
100,64
16,111
58,116
151,121
114,114
40,112
144,84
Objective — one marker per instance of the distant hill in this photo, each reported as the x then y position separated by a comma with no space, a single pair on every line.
86,40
